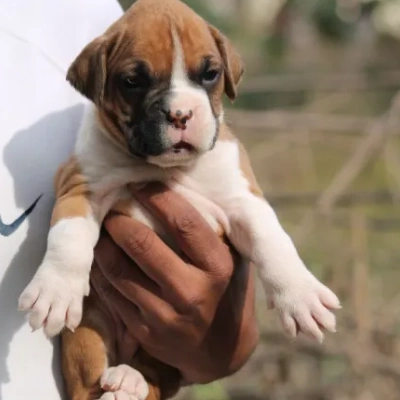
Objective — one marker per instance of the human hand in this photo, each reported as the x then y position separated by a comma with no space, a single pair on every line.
198,315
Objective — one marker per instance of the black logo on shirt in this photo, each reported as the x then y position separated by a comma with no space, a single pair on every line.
9,229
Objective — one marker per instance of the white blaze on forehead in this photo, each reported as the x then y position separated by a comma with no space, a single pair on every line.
187,97
179,78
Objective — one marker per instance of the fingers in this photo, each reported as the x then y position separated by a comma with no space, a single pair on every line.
150,253
180,284
125,277
127,311
129,289
116,256
193,234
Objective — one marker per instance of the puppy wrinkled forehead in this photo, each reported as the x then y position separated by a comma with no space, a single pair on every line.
154,31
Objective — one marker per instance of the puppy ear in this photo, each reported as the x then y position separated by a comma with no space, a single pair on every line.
234,66
88,72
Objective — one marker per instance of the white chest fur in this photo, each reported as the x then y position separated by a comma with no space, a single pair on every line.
207,185
215,186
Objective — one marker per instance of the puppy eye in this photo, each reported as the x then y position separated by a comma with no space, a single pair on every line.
131,83
210,76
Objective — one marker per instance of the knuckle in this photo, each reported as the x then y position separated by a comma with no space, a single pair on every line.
140,243
193,313
222,274
227,263
143,334
116,271
171,322
100,276
193,298
187,325
221,266
219,279
186,224
192,306
107,291
167,327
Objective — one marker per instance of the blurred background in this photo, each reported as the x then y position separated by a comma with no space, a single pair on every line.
319,114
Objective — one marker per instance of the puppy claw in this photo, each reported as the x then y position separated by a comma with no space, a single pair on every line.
305,307
324,317
54,299
329,299
28,299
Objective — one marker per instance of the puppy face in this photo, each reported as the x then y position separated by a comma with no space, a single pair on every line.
157,77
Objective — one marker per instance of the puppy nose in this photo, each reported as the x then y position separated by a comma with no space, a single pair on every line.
179,118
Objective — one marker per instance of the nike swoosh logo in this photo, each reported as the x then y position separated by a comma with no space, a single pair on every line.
9,229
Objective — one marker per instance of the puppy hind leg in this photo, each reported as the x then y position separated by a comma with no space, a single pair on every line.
146,379
86,354
93,371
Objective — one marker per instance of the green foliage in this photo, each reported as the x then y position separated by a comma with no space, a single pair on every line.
275,46
327,21
209,15
126,3
324,16
213,391
268,101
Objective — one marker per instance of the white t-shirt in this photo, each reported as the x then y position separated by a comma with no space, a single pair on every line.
39,117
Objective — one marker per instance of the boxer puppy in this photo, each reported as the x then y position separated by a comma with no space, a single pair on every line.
156,79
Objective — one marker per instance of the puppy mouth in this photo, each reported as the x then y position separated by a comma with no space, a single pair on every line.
182,147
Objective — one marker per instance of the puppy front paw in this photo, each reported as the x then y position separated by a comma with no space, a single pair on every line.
54,298
306,307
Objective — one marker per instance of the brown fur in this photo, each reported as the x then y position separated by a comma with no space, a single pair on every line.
94,345
84,354
133,37
71,192
144,32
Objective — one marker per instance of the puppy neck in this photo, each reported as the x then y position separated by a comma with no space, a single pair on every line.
111,132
